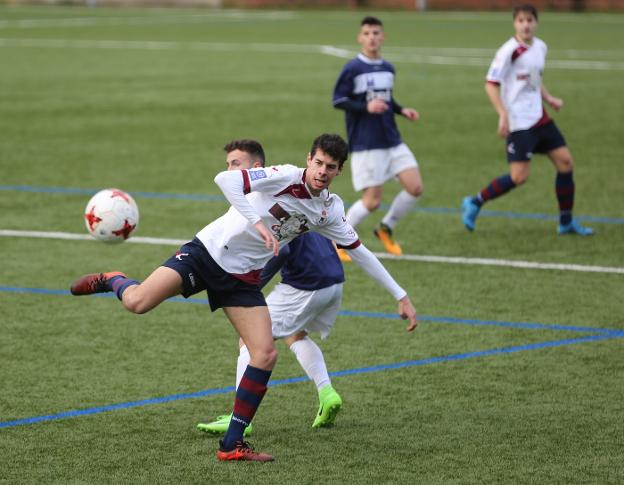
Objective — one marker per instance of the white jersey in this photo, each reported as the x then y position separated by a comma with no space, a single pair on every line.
518,69
281,199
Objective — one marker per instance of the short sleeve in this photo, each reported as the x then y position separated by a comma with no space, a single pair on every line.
498,69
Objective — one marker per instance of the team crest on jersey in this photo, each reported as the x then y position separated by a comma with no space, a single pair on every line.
289,225
257,174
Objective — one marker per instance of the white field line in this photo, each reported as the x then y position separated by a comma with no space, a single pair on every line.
405,257
461,57
213,16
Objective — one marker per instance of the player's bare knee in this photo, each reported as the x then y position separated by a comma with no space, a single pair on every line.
565,165
415,191
519,178
134,303
264,359
372,203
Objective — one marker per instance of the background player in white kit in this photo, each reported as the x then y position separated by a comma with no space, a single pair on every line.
307,300
364,90
515,88
227,256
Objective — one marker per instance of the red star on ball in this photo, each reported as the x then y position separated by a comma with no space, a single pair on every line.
125,230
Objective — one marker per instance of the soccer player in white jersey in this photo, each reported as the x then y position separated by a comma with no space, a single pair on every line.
227,256
364,90
307,300
515,89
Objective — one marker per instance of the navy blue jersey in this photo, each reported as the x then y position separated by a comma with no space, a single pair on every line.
309,262
362,80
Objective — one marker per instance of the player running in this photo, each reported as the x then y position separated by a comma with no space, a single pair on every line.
515,89
227,256
364,90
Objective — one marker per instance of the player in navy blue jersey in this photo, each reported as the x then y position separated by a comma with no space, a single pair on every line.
364,90
307,300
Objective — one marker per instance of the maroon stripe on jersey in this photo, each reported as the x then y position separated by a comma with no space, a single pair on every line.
543,120
298,191
246,182
350,246
495,83
253,277
521,49
252,386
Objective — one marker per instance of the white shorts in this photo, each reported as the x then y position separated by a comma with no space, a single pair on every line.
293,310
372,168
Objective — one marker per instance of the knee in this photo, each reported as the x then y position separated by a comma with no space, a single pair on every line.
372,202
519,178
565,165
264,358
415,190
134,303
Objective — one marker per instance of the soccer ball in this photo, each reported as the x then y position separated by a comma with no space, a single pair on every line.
111,216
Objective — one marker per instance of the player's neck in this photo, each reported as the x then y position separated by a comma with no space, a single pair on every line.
528,41
372,55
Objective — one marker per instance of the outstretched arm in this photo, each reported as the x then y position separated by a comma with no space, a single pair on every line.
369,263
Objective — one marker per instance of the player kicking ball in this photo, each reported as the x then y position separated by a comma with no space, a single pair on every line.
307,300
227,256
515,89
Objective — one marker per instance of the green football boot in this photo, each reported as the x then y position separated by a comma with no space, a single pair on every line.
330,404
220,426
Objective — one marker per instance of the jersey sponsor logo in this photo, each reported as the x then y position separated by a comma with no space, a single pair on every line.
523,77
385,95
257,174
290,225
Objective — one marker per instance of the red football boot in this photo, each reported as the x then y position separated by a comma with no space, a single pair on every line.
242,452
93,283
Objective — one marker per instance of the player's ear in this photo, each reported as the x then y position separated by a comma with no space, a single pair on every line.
257,164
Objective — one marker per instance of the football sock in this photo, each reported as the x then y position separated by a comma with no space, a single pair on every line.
401,205
119,284
497,187
311,359
357,213
249,394
242,363
564,186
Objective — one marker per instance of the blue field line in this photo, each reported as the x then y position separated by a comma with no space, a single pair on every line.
351,313
280,382
220,198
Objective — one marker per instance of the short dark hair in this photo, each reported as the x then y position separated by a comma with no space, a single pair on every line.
370,20
253,147
332,145
525,7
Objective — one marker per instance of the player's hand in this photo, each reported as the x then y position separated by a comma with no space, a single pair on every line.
503,126
377,106
410,114
555,103
269,240
408,312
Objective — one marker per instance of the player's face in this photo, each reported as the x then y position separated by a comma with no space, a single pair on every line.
239,160
321,171
525,25
371,38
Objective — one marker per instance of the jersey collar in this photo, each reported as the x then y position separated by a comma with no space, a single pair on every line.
368,60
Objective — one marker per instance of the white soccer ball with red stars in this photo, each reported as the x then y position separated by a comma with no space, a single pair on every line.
111,216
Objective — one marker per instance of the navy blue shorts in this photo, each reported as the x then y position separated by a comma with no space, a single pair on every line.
521,145
200,272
